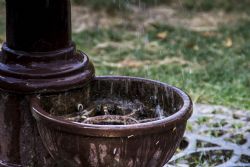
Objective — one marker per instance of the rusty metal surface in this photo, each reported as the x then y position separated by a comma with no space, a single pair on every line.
216,136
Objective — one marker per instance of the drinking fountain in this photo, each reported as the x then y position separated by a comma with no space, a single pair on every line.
55,112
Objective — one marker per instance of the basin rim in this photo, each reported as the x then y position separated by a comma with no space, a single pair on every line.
169,123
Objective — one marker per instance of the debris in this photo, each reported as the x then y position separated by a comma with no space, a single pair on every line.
130,136
162,35
228,42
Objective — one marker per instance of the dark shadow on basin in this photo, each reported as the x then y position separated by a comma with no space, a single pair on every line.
122,122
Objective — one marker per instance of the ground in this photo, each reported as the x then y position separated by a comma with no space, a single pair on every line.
216,136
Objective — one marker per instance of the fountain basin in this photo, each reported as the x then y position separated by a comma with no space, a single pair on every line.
125,121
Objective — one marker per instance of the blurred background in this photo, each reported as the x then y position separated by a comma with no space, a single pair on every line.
201,46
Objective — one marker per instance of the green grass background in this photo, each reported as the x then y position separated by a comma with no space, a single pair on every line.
214,74
223,75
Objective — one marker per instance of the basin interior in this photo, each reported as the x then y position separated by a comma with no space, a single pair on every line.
115,101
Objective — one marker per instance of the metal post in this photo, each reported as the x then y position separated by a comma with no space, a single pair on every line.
37,58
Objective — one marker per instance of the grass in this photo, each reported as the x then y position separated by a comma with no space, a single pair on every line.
190,5
213,67
2,22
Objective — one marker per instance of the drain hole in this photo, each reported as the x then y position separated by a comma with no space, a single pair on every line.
183,144
215,133
202,144
237,139
245,158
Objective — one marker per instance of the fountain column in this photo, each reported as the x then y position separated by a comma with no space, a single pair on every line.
38,26
38,57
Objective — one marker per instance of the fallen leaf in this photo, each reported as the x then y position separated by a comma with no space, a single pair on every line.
132,63
162,35
208,34
228,43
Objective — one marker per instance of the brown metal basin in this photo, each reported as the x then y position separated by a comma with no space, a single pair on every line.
146,135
